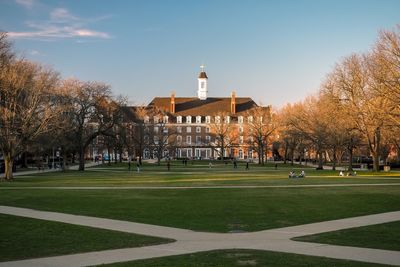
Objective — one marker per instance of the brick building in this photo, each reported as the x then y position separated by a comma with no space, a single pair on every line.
196,127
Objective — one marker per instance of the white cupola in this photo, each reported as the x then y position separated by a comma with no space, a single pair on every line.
202,84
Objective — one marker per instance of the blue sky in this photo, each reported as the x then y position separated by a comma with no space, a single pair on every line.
273,51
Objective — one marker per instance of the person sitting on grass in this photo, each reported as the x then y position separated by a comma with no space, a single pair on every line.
292,174
302,174
341,173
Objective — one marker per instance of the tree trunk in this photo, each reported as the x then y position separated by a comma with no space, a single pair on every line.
375,148
334,159
320,160
82,159
64,155
285,154
350,159
24,160
375,158
8,164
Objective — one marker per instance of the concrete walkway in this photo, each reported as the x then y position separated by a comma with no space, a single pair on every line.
190,241
74,167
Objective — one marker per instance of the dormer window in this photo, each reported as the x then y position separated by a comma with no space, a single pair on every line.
198,119
188,119
146,119
250,119
179,119
156,119
240,119
217,119
208,119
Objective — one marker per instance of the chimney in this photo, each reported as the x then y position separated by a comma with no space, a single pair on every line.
172,105
233,102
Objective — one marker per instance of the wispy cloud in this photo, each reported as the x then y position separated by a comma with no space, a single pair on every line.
61,24
26,3
61,15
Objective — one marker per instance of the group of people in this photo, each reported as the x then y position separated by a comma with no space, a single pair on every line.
292,174
341,173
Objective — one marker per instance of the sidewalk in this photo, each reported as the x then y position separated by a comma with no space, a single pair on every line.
190,241
74,167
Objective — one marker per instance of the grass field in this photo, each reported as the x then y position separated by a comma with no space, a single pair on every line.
380,236
239,258
208,209
23,238
196,174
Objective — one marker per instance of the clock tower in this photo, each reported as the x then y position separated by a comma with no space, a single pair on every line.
202,84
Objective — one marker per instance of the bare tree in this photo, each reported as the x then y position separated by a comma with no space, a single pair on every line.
350,87
221,129
93,112
384,70
27,106
260,128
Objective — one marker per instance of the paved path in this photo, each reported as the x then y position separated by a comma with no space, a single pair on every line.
190,241
74,167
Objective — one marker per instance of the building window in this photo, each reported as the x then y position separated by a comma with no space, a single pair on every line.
240,119
208,139
240,129
165,130
146,139
250,119
165,119
179,139
208,119
188,119
146,119
198,119
179,119
202,85
155,138
227,119
188,129
156,119
240,154
198,129
188,139
260,119
217,119
155,129
179,129
207,129
240,139
198,139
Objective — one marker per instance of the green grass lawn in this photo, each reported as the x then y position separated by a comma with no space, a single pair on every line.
216,210
197,174
381,236
239,258
23,238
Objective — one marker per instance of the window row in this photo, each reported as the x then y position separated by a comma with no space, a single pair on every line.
198,119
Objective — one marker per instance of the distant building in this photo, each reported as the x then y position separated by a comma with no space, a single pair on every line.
187,127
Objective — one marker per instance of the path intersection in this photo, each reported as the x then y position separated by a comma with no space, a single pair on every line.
188,241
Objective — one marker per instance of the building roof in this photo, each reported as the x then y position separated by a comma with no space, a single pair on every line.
203,75
192,106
